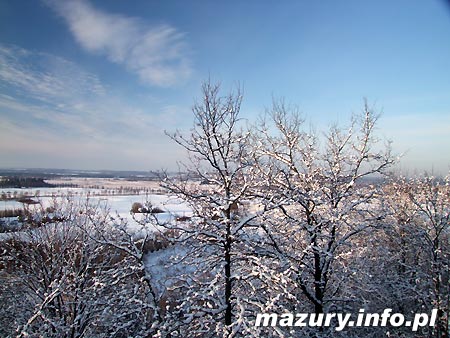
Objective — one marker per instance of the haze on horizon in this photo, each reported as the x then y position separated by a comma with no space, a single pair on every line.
92,85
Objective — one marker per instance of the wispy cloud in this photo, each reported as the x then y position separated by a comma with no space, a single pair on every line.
42,89
157,54
52,110
44,76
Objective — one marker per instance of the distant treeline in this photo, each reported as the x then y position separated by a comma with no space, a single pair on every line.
24,182
11,213
57,173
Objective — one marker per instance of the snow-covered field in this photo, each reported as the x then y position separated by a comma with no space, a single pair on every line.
118,205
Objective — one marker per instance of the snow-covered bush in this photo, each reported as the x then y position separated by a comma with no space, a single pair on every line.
72,281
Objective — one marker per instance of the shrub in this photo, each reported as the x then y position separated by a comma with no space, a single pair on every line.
136,207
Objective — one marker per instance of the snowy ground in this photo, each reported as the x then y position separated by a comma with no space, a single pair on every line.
160,263
118,205
166,264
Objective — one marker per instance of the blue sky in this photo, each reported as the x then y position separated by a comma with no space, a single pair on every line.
94,84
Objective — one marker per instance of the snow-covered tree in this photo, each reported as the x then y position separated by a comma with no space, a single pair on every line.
226,285
428,202
324,196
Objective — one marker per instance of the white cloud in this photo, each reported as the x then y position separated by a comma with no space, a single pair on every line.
44,76
55,114
158,54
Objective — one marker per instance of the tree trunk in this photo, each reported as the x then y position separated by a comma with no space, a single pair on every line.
228,286
318,287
